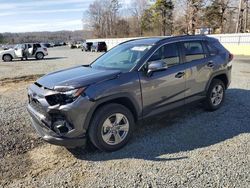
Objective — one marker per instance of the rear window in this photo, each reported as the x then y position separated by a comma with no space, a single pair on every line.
212,49
193,51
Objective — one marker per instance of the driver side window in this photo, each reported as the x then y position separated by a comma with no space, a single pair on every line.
168,54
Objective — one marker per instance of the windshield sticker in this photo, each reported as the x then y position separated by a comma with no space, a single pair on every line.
140,48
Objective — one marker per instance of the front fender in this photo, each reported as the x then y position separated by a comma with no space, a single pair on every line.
126,85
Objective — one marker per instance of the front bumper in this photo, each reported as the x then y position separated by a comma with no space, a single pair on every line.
50,136
60,124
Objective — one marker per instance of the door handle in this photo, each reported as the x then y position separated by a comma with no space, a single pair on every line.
210,64
179,74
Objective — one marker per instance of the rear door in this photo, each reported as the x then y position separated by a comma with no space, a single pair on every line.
199,66
164,87
30,49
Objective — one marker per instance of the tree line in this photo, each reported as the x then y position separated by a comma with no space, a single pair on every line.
106,18
58,36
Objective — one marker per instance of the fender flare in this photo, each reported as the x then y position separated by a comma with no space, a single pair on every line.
101,101
7,54
222,72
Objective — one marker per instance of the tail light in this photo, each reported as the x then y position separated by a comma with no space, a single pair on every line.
231,56
45,49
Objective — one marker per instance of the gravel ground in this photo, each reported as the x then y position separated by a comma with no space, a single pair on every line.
188,147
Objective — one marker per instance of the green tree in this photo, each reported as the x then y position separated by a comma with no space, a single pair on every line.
215,14
164,15
1,38
146,21
159,18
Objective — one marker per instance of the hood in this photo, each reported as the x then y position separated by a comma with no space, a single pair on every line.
76,77
4,51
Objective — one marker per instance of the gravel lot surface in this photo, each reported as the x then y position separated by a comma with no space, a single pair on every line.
185,148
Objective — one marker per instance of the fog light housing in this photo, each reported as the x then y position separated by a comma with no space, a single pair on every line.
61,127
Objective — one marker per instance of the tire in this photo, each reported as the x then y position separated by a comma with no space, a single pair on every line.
7,58
108,134
215,95
39,56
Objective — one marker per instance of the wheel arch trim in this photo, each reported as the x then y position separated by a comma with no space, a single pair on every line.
214,75
137,113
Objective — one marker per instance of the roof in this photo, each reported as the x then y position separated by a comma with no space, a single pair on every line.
154,40
146,41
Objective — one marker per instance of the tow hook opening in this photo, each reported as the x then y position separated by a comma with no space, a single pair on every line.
61,127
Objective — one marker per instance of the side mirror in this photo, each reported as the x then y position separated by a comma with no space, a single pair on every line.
156,66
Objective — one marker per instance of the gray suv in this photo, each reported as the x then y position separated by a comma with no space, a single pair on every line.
101,102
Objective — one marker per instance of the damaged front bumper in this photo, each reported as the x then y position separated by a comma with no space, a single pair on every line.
60,124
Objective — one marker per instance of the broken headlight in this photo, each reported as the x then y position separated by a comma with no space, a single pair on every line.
65,97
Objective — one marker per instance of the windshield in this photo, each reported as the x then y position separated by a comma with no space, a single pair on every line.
19,46
123,57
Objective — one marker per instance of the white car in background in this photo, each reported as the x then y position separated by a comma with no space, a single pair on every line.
24,51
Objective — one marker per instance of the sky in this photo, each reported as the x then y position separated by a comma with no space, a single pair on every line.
43,15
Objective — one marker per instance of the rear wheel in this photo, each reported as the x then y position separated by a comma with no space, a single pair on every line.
111,127
7,58
39,56
215,95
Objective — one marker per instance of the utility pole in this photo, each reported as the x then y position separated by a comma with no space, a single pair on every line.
242,19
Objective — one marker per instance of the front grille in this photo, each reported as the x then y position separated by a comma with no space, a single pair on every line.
36,105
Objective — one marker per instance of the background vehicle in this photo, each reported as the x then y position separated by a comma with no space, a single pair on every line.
47,45
72,45
86,46
135,80
99,47
20,51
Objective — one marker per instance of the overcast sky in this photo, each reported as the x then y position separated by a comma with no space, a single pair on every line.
42,15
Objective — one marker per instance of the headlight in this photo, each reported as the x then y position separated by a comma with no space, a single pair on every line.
66,97
71,95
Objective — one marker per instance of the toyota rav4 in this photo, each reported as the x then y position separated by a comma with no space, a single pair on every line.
101,102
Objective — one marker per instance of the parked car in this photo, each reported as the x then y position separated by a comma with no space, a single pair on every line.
99,47
20,51
47,45
72,45
52,44
86,46
79,45
133,81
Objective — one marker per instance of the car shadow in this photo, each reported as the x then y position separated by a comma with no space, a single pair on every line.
185,129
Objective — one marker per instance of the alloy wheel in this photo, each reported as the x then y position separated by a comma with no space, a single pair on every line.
115,129
217,95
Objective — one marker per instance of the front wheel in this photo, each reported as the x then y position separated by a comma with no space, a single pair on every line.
7,58
215,95
39,56
111,127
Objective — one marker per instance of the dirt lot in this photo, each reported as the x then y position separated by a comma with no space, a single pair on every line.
185,148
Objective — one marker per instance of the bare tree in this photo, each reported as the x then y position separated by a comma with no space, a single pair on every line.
193,10
103,15
138,8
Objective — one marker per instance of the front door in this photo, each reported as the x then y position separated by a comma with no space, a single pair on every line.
163,88
19,50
